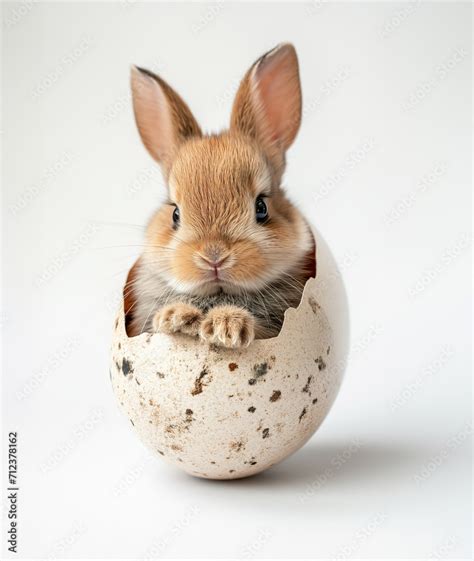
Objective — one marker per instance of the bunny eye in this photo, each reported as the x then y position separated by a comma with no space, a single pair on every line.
176,217
261,210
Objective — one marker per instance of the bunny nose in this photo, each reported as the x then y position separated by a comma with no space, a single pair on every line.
213,256
214,262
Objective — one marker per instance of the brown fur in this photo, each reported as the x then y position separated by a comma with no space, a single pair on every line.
214,181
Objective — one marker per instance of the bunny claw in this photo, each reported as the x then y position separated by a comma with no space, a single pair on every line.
178,318
228,326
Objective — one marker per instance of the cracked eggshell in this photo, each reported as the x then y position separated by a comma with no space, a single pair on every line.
224,413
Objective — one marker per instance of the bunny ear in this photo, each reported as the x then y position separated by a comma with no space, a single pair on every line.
268,103
163,118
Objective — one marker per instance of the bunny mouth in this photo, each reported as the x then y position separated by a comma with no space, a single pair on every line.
220,279
216,275
215,284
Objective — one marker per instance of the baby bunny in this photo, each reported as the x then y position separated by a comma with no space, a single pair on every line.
227,253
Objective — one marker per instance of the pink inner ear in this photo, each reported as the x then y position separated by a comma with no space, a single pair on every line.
277,83
153,116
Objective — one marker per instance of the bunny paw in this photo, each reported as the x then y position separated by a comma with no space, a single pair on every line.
179,317
228,326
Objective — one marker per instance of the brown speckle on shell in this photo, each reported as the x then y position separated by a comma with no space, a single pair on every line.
236,446
302,414
127,366
265,433
314,305
320,362
276,395
233,366
260,369
308,383
251,409
198,382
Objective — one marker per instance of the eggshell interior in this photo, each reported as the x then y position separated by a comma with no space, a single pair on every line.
230,413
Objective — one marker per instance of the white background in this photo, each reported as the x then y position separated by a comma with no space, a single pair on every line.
381,167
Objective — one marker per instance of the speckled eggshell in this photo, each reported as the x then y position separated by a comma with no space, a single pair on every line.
223,414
